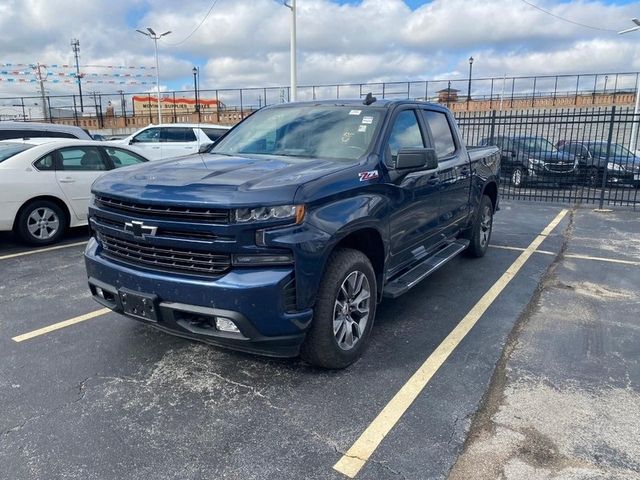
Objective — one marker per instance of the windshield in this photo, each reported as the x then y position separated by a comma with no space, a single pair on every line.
8,150
534,144
317,131
600,150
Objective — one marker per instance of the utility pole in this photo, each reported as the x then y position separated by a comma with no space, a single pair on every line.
75,45
293,94
40,71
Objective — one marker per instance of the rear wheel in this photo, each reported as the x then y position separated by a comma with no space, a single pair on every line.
482,228
344,311
41,222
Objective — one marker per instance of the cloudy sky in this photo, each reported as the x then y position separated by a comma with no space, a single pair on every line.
245,42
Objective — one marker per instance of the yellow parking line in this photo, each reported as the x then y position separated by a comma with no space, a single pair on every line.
59,325
355,458
520,249
40,250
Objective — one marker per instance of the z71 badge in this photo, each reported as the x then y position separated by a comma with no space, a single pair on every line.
364,176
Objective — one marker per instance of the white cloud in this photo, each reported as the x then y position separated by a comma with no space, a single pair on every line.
245,42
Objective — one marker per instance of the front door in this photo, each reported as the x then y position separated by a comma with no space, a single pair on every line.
147,142
76,169
414,218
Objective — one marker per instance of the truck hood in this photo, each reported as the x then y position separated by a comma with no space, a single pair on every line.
216,179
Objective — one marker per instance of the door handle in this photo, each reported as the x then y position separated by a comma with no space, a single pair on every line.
66,180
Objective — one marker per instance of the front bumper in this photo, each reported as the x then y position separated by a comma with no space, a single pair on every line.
185,306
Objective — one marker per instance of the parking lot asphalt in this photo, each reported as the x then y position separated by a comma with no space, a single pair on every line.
111,398
564,399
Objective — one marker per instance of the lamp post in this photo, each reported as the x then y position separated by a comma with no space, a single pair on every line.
292,52
636,110
195,71
155,37
470,71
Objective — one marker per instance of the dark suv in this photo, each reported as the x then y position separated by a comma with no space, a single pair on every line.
528,160
622,166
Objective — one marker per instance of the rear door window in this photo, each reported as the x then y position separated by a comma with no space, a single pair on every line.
177,134
443,141
81,159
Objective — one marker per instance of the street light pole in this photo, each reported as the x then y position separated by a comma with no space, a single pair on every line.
470,71
195,72
636,110
292,47
155,37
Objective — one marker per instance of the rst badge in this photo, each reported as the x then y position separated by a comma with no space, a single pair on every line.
371,175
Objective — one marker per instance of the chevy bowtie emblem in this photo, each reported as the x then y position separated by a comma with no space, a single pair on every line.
139,229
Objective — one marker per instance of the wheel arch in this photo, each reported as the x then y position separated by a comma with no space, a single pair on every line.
367,240
491,190
51,198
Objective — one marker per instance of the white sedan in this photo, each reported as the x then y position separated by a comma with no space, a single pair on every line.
45,184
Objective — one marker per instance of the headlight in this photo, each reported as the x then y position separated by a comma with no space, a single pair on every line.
614,167
264,214
536,161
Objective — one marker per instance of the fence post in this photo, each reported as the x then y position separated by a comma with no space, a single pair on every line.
149,99
24,115
75,111
493,125
575,101
604,175
491,96
241,107
426,91
175,119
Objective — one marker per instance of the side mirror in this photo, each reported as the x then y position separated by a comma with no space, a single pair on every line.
132,141
204,147
417,158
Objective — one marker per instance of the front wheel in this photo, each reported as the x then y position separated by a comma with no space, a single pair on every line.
517,177
344,311
482,228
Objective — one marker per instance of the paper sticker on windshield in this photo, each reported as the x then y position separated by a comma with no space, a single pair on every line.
362,128
371,175
355,112
367,120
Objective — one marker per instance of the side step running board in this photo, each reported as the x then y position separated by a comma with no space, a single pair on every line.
421,271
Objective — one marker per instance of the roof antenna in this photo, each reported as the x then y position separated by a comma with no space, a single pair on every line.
369,99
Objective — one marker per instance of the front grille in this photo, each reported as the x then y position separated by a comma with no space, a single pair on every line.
163,258
559,167
175,213
101,220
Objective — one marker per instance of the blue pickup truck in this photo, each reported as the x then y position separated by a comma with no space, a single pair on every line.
284,236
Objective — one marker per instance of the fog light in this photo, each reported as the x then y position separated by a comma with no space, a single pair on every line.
99,292
226,325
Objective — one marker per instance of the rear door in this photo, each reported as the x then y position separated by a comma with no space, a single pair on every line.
76,169
178,141
414,218
454,171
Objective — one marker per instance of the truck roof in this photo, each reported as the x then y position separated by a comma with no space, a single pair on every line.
355,102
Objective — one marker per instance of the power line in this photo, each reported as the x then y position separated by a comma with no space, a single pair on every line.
568,20
213,4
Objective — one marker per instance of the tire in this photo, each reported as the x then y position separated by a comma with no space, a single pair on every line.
517,177
481,230
594,179
329,348
41,222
